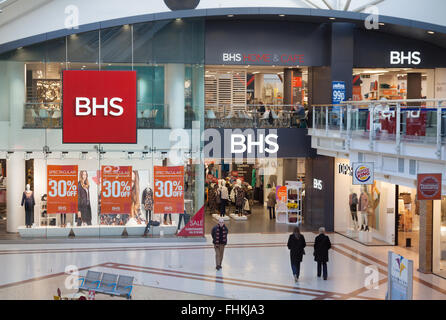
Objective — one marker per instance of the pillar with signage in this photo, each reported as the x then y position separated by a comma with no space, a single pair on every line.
428,189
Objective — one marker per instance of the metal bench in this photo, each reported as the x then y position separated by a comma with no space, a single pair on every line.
91,281
107,283
124,287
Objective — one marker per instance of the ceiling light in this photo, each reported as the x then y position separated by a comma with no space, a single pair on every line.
332,18
178,19
431,32
230,15
382,24
281,15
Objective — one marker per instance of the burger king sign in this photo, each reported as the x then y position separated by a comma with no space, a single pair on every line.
363,173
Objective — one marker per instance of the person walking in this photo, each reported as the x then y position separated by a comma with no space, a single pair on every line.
271,204
321,246
220,239
296,244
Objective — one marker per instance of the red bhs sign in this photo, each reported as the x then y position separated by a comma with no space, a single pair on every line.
99,107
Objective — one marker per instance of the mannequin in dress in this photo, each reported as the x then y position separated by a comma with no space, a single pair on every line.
147,202
28,201
363,208
353,204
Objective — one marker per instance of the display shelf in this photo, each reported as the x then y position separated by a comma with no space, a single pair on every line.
286,212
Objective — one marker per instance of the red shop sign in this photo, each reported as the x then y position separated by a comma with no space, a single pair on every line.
429,186
99,107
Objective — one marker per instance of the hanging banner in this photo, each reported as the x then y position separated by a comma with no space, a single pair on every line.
168,193
429,186
363,173
195,227
62,189
116,189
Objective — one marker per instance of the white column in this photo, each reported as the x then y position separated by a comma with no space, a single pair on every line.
15,213
174,94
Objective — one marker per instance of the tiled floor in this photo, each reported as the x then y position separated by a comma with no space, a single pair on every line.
255,266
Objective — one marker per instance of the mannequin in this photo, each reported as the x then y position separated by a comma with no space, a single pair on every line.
28,201
353,203
239,197
147,202
363,206
224,195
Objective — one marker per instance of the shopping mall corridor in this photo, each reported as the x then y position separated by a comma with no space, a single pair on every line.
255,266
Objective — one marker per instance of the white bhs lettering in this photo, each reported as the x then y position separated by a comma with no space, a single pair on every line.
401,57
232,57
85,107
239,141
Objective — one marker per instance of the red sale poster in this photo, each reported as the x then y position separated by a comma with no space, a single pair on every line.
195,227
168,193
116,189
62,189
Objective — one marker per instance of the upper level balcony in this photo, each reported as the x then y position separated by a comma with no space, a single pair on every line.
414,128
255,116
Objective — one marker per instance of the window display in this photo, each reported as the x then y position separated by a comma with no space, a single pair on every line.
364,213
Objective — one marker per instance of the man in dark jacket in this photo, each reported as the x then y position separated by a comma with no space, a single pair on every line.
219,239
321,246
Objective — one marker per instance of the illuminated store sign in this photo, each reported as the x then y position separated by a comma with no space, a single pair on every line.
405,57
99,107
241,143
263,58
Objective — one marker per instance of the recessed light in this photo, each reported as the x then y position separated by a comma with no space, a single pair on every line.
230,15
332,18
382,24
281,15
178,19
431,32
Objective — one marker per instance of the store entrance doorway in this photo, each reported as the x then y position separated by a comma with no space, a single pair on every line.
252,187
408,221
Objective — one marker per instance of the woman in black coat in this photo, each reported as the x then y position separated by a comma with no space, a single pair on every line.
296,244
321,246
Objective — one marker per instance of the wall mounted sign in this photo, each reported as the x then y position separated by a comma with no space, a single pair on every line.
318,184
363,173
99,107
429,186
405,57
345,169
338,92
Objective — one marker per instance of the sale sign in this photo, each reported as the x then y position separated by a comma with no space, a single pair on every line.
429,186
195,227
116,189
169,186
62,189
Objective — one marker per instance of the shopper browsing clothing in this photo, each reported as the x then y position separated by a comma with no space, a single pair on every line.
321,246
271,204
220,239
296,244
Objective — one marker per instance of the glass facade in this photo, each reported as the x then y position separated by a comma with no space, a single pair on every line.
161,53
